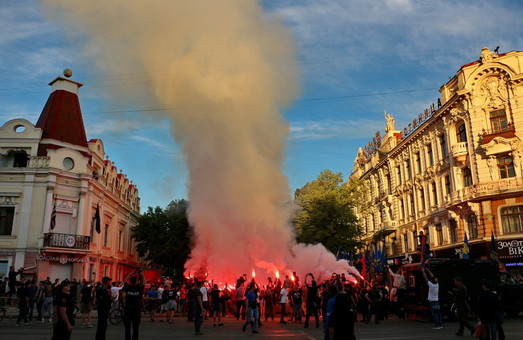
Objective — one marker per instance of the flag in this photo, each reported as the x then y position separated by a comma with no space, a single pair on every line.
493,248
422,245
363,266
97,220
465,250
53,217
379,259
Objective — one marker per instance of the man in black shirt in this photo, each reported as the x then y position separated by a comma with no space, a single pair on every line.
86,303
313,301
104,300
23,303
132,293
63,318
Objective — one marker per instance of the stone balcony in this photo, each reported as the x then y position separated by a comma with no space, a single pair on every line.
39,162
486,189
460,152
69,241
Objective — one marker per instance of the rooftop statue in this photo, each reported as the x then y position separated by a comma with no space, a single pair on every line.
390,122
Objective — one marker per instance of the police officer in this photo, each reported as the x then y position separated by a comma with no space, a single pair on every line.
104,300
132,293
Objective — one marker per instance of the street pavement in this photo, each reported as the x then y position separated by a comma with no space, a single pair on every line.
392,329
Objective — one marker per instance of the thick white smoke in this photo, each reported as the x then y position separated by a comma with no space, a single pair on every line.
226,67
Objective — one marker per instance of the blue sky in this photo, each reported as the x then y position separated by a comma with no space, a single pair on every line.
356,59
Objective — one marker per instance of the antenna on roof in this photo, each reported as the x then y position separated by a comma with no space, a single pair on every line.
496,50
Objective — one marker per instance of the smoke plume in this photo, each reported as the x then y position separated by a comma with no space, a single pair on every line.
225,67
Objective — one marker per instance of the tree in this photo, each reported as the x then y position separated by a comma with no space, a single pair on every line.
325,212
164,237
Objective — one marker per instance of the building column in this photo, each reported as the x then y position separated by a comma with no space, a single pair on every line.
80,217
23,221
48,209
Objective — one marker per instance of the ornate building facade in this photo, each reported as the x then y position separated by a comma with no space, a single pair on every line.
456,169
56,189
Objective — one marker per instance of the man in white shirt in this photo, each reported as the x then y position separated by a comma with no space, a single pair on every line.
401,291
115,292
283,302
432,281
205,299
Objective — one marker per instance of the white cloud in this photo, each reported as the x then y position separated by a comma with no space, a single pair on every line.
333,129
349,35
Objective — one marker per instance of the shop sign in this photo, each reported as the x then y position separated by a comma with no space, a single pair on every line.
510,249
63,259
106,261
403,260
7,253
394,262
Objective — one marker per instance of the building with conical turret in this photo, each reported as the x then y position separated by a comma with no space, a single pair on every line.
65,209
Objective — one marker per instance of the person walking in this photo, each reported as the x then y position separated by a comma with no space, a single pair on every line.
489,307
63,318
86,302
332,292
198,308
153,297
312,302
171,302
33,292
132,294
216,306
268,299
460,300
240,300
400,284
47,304
433,297
374,297
283,303
104,301
23,303
341,324
297,302
252,305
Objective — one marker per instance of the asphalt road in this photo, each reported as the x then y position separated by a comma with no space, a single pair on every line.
392,329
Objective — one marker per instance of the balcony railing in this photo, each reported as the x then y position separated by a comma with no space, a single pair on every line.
499,129
507,131
459,149
39,162
486,189
66,241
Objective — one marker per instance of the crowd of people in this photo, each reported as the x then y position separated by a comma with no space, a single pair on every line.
339,302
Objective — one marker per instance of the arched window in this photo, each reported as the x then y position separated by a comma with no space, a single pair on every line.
512,219
461,133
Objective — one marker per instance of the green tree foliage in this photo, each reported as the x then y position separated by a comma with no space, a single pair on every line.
164,237
325,212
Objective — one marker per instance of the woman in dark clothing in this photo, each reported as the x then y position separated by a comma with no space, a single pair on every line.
63,318
342,319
